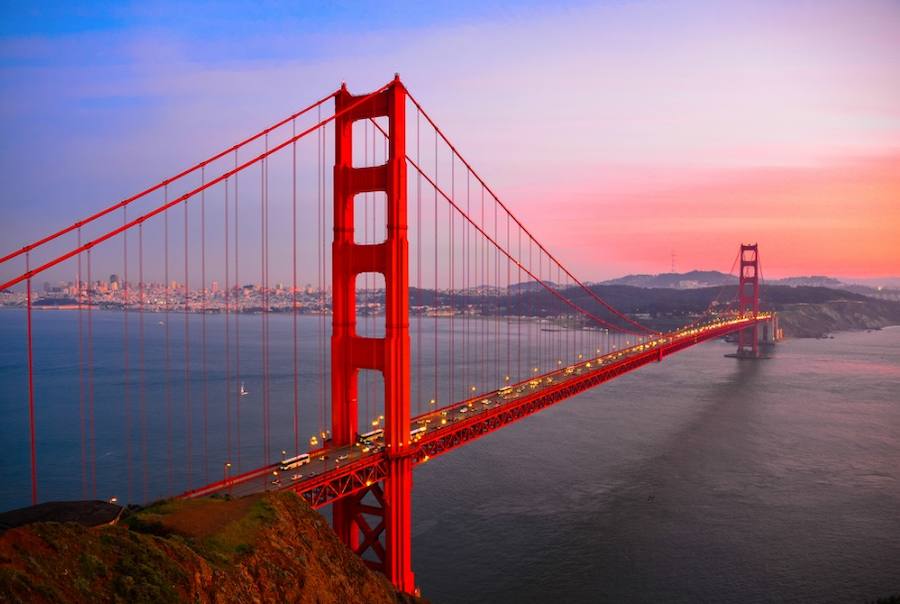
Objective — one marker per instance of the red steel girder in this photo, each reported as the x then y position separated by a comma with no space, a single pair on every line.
342,482
351,352
371,535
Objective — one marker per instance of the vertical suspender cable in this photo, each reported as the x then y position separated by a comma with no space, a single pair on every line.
419,367
482,283
262,315
452,267
90,372
519,306
188,414
142,403
294,288
506,317
383,232
541,353
436,270
325,384
563,351
203,293
530,312
81,385
238,294
320,263
31,442
467,254
126,386
168,387
365,239
370,396
227,337
497,361
264,278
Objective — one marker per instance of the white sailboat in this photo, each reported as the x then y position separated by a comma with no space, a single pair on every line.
244,391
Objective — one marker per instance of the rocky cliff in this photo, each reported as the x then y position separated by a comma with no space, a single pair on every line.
817,320
263,548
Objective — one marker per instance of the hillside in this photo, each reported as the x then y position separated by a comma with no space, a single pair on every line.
803,320
698,279
806,311
262,548
688,280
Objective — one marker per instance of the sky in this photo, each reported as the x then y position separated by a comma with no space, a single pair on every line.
620,132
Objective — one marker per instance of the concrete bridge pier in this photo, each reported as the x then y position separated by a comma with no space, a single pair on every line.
770,332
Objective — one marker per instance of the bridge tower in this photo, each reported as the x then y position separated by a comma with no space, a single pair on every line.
748,300
360,524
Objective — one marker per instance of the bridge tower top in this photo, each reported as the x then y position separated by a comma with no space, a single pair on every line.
749,279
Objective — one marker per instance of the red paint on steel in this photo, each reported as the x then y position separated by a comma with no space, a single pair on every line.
349,352
294,291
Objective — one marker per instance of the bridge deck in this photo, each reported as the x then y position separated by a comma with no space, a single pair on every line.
333,473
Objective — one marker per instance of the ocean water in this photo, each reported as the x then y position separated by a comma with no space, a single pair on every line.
700,479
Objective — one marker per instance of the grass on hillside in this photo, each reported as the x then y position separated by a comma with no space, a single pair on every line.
217,529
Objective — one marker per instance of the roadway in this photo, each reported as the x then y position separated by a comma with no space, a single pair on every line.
336,471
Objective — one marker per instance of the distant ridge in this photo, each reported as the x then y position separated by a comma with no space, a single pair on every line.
811,281
699,279
689,280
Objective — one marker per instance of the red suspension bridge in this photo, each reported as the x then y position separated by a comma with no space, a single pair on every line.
227,327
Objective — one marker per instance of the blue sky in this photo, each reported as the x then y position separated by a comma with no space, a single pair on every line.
222,20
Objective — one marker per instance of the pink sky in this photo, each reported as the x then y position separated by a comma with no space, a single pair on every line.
840,218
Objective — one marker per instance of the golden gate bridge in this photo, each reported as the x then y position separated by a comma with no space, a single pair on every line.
437,318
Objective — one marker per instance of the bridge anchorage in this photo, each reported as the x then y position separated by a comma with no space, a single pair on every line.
514,331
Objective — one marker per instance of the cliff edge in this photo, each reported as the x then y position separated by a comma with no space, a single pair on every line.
264,548
803,320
